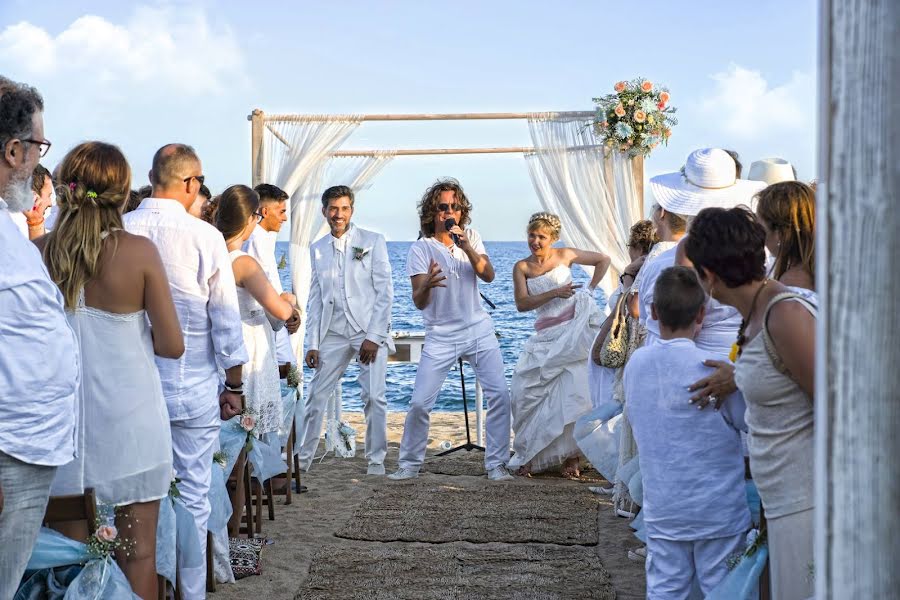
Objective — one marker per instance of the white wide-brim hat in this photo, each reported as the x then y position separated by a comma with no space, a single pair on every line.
771,170
707,180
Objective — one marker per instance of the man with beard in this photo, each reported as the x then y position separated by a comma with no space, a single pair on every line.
38,354
349,312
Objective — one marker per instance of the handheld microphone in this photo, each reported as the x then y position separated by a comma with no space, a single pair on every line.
448,225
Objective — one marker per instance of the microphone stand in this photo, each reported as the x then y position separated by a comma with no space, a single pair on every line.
468,446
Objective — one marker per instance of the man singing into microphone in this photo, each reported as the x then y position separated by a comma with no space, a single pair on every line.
445,265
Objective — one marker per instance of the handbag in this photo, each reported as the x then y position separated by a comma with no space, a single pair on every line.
615,346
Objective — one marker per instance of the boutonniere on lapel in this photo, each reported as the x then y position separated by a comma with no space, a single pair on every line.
360,253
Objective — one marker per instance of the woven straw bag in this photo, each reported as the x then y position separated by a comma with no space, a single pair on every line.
615,346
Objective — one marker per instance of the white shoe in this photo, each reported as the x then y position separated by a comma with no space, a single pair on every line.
602,491
499,473
403,473
639,554
375,469
625,513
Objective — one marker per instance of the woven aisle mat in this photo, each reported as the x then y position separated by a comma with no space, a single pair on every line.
456,572
476,510
458,463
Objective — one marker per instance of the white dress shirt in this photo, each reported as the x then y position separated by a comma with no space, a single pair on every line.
39,362
196,261
342,322
261,246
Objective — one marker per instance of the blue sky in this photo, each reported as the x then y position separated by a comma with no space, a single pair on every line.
143,74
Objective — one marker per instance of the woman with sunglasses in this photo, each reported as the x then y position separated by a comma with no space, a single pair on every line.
261,307
445,265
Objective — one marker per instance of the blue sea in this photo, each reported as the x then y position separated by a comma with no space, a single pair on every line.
514,327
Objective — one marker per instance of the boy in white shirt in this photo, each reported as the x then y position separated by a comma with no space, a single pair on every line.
695,505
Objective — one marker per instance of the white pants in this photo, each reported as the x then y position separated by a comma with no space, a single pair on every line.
335,353
673,565
194,441
437,360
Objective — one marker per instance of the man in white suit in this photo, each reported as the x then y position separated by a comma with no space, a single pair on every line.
349,314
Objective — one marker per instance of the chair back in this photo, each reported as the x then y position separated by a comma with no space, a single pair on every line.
77,507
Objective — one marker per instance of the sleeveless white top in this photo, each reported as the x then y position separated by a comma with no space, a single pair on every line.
262,389
123,442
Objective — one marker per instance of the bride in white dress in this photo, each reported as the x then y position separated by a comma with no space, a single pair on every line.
550,383
261,307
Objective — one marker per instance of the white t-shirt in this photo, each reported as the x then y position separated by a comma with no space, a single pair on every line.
454,313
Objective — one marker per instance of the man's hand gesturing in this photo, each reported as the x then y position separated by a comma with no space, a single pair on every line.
435,276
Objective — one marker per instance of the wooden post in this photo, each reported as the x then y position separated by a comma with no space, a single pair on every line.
637,169
858,352
257,148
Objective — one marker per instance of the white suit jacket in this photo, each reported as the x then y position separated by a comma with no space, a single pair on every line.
367,284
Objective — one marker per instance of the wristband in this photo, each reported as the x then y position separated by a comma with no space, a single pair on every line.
235,389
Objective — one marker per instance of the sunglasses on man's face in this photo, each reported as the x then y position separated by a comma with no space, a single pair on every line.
200,179
444,207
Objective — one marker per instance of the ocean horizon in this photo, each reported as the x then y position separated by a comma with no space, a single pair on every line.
513,327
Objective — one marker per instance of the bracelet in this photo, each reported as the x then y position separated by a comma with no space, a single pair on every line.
235,389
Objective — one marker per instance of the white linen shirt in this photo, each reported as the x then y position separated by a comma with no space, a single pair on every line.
199,269
39,361
454,313
691,460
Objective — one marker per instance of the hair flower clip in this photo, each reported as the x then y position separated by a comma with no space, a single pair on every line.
72,186
91,194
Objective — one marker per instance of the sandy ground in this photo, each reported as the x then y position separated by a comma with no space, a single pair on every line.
338,486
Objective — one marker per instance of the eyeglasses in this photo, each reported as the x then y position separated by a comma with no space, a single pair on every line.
444,207
200,179
43,146
259,217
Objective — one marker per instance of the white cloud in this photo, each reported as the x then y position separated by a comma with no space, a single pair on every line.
745,106
160,48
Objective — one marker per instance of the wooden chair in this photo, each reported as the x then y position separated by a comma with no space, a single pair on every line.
286,483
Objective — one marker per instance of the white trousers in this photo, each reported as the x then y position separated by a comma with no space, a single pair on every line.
672,565
437,360
194,441
335,353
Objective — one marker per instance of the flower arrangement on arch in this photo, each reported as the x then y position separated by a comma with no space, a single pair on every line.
636,118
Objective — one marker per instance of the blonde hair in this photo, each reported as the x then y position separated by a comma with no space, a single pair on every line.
545,220
789,209
95,181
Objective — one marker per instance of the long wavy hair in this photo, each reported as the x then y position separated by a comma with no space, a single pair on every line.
94,185
789,209
428,205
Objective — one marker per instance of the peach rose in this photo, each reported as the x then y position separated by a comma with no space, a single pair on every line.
620,110
646,86
248,422
639,116
661,105
664,97
106,533
619,86
667,133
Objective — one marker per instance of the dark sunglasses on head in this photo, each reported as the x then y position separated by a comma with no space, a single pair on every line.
444,207
200,179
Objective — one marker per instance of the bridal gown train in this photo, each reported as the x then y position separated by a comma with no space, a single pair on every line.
550,383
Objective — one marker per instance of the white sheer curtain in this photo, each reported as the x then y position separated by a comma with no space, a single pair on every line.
594,196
